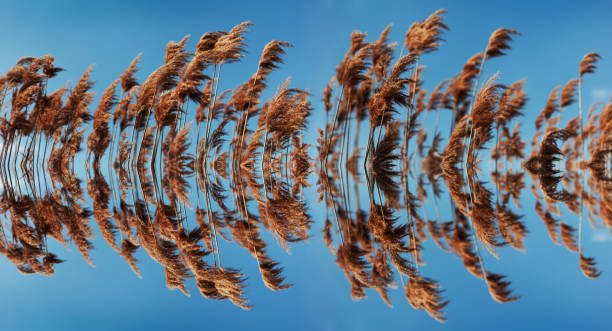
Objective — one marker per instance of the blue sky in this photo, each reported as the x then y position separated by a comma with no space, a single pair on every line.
554,37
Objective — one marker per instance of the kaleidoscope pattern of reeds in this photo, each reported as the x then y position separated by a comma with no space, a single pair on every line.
250,165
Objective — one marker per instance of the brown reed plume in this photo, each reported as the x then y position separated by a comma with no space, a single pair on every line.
422,37
285,117
568,93
460,87
228,48
482,119
542,164
248,93
349,74
383,160
178,165
390,94
498,43
425,294
452,157
587,64
99,139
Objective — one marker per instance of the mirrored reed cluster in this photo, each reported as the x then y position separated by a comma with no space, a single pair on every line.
150,165
371,247
253,180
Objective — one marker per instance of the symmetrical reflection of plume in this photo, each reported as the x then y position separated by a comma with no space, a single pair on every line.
178,187
586,149
371,248
148,205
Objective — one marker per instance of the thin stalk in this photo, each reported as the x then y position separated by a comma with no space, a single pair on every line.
212,223
133,145
346,120
348,136
411,106
197,145
263,154
154,156
211,106
368,149
246,120
471,107
146,127
333,128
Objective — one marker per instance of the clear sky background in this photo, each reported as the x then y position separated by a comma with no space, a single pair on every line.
554,37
